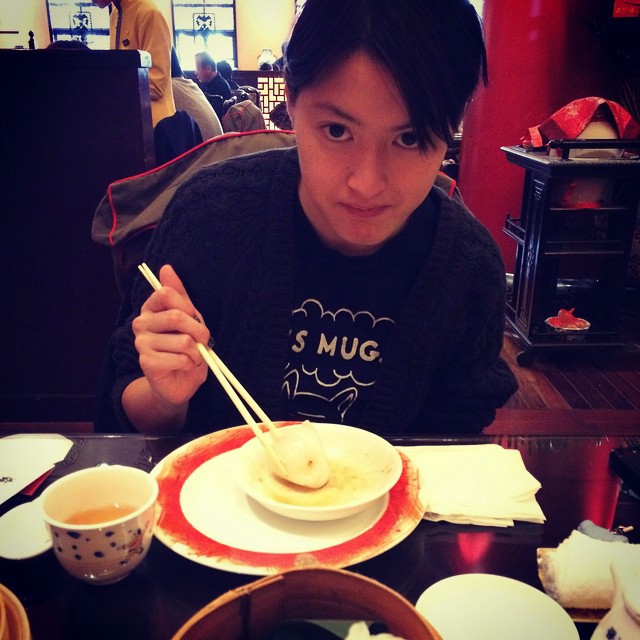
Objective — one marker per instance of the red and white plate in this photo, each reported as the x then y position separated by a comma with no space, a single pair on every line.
204,516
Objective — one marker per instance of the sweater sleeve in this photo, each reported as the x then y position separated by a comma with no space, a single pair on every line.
473,380
213,232
172,243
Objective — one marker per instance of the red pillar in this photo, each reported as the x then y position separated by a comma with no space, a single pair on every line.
542,54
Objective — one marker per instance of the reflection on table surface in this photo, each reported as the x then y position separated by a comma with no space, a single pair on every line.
161,594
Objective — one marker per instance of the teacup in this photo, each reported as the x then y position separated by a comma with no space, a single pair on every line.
101,521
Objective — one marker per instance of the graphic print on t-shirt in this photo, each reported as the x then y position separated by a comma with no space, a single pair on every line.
333,360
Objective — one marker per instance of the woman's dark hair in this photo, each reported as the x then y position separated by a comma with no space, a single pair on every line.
434,49
73,45
225,70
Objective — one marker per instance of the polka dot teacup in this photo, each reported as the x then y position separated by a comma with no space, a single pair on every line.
101,521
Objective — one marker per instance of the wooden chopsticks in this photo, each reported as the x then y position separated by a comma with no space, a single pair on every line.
231,385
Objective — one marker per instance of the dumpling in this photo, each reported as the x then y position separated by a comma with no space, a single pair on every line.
302,454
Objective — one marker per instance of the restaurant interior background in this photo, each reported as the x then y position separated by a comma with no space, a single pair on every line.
542,54
259,24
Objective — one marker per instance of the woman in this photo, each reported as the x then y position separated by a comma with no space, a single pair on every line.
338,284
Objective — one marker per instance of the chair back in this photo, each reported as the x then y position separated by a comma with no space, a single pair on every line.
252,92
243,116
134,204
237,95
217,102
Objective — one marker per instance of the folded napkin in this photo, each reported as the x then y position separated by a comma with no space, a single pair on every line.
24,458
577,573
475,484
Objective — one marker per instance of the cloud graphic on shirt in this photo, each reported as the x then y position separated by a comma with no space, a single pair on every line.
315,406
340,337
336,379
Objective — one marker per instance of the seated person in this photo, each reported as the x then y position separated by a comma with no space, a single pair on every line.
209,79
225,70
338,284
189,97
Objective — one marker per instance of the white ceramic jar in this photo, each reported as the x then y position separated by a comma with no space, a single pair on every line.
622,622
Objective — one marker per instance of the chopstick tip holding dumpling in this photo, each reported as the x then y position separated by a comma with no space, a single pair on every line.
300,450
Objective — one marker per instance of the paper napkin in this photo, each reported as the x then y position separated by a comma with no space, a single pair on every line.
24,458
475,484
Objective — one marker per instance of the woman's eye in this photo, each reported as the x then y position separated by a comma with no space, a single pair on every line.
335,131
408,139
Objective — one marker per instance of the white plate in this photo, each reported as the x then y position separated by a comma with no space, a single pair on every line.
23,532
486,607
235,519
363,465
204,516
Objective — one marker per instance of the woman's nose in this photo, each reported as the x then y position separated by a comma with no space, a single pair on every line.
367,173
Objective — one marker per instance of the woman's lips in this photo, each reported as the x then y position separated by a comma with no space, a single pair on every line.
359,211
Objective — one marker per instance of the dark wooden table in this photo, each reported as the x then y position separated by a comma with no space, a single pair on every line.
166,589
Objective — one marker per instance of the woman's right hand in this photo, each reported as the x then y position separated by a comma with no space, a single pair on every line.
166,337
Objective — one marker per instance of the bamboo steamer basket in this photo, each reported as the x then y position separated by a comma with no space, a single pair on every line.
3,620
14,624
252,611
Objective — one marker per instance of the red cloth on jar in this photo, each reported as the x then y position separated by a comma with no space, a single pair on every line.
570,121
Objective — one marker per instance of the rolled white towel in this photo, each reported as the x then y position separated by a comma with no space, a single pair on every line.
577,574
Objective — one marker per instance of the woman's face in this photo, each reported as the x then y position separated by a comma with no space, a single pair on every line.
362,172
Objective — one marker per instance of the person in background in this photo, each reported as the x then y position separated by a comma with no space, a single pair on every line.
72,45
266,66
189,97
338,283
226,71
139,24
209,79
279,63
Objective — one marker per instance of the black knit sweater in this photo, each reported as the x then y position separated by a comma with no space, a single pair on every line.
229,234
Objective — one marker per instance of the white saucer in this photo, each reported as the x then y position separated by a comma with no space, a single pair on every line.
485,607
23,532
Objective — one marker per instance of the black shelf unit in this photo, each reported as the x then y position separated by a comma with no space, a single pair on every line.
571,256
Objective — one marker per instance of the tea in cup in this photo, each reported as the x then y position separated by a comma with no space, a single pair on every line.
101,521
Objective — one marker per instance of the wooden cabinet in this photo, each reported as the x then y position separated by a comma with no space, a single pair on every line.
571,252
73,121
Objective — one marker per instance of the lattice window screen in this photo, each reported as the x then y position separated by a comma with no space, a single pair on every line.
271,93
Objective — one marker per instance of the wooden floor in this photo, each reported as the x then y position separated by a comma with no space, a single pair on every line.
575,380
571,392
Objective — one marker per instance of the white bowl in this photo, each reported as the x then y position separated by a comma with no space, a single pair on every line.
364,467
